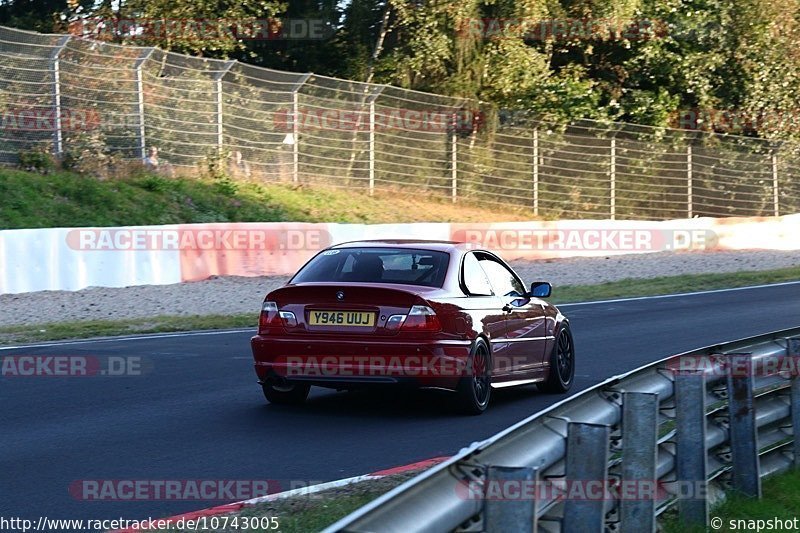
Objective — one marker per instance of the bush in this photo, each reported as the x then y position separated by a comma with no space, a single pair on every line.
154,183
88,153
37,160
215,167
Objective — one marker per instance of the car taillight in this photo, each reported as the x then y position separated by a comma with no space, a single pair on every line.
272,318
419,318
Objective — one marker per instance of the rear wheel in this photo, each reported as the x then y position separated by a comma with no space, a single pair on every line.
475,389
285,393
562,364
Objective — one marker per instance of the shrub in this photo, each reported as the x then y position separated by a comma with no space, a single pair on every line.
37,160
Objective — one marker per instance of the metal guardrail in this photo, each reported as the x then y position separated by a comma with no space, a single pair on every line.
694,424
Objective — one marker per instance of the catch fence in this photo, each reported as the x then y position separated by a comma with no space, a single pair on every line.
82,99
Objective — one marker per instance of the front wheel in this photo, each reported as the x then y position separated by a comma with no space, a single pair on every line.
562,364
475,389
286,393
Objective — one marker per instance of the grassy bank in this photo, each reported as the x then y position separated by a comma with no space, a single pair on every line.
671,284
578,293
65,199
308,512
781,501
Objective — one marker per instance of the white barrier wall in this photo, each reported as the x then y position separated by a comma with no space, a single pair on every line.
76,258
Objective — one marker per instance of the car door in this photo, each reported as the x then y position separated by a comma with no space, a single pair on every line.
525,319
484,308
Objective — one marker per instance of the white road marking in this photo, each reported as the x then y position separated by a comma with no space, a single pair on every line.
679,294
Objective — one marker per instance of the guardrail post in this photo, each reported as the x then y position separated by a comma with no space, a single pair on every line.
506,513
639,460
691,461
143,56
296,127
793,350
587,462
536,172
745,473
58,134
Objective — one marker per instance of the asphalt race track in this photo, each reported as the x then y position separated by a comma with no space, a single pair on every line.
197,413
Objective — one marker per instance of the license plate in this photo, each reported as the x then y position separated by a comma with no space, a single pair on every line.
342,318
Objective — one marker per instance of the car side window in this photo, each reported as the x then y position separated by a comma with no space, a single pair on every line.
503,281
474,278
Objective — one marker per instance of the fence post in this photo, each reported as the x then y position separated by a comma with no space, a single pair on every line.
639,460
143,56
775,195
691,461
793,351
218,89
296,126
613,178
689,184
376,91
536,172
454,158
745,473
586,462
510,514
58,135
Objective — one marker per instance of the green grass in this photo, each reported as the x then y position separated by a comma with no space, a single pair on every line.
104,328
317,517
671,284
781,499
65,199
313,512
566,294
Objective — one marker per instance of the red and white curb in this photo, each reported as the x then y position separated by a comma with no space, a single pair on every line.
313,489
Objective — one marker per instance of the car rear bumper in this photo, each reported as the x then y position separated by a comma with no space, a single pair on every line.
346,363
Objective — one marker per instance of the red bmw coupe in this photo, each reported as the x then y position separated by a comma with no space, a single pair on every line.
431,314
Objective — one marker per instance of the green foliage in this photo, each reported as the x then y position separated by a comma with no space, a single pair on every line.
645,60
88,153
199,27
215,168
155,183
37,160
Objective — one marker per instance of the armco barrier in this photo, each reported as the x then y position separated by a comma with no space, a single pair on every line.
75,258
675,433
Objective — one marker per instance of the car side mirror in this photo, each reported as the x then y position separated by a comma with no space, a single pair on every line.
541,289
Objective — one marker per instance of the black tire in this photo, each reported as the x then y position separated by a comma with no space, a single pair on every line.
286,393
475,389
562,364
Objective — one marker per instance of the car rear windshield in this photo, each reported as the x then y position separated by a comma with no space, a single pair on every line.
376,265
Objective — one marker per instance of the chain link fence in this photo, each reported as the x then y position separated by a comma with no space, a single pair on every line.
65,94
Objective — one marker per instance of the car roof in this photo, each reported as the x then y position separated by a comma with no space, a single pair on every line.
442,246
